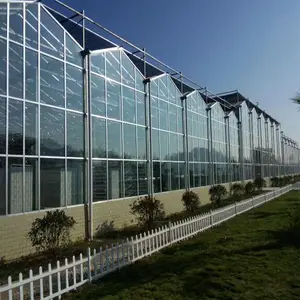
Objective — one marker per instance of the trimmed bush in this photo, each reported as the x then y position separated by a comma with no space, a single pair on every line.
191,201
147,210
275,182
218,194
293,217
259,183
237,190
249,188
52,231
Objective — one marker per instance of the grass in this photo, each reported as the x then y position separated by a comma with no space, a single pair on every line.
249,257
112,235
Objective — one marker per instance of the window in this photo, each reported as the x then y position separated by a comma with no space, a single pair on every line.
2,125
98,136
130,149
99,180
74,88
113,100
75,182
16,22
31,74
114,139
73,51
31,134
3,60
98,95
75,134
15,70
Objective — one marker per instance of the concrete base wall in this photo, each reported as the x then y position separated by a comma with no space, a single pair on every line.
116,213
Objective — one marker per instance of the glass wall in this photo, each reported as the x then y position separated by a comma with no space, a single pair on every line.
118,127
167,135
41,112
197,140
218,150
234,151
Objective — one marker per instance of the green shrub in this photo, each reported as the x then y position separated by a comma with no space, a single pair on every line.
249,188
237,190
282,181
147,210
52,231
294,220
190,201
259,183
218,195
275,182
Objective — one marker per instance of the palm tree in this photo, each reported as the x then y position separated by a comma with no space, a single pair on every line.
296,99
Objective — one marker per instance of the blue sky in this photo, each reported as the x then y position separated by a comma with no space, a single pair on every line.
252,46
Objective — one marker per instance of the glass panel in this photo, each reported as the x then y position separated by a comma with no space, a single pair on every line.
129,105
179,120
32,25
98,136
140,101
141,136
16,22
15,70
113,65
15,185
52,183
174,176
31,179
114,139
115,179
31,75
52,81
128,69
52,131
75,182
3,19
2,187
98,95
166,176
172,118
98,64
52,35
31,134
163,115
113,100
156,177
191,174
164,147
142,177
130,148
154,112
74,88
130,178
3,62
155,144
2,125
15,127
182,175
73,51
99,180
139,81
173,147
75,134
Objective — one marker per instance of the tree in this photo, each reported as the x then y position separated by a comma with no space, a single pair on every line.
190,201
296,99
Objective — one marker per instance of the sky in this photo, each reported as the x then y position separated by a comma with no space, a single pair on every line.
252,46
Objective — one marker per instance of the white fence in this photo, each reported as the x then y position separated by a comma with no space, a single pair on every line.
54,282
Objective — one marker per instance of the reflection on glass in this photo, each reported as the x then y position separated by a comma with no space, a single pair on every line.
130,178
15,127
143,178
99,180
3,61
74,88
15,185
139,81
115,179
174,176
164,147
2,125
15,70
16,22
75,182
52,81
154,113
52,183
113,65
128,68
31,134
130,149
113,100
155,144
31,75
173,147
73,51
98,136
98,95
75,134
52,35
3,19
52,131
129,105
166,176
156,177
140,102
98,64
114,139
2,187
32,25
163,115
141,141
31,184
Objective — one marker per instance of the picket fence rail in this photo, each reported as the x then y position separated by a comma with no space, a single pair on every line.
54,282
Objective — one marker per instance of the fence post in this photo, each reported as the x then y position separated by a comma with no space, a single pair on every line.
89,264
211,218
235,208
170,232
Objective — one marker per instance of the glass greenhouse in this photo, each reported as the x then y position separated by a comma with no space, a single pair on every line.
83,119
